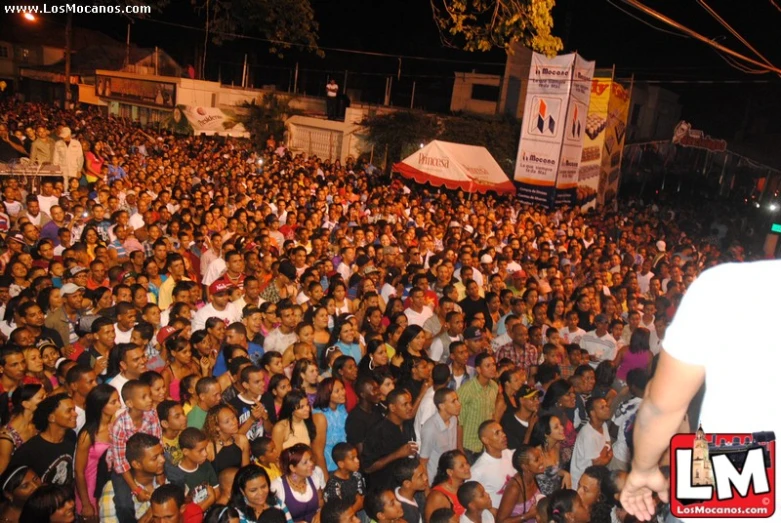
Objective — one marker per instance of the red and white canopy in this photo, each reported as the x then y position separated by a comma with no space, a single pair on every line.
470,168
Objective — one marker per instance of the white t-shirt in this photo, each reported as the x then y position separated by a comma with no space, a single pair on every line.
45,203
622,416
736,356
122,337
425,411
229,315
118,382
418,318
486,517
603,347
494,474
588,446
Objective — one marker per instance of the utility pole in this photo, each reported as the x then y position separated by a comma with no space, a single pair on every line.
68,38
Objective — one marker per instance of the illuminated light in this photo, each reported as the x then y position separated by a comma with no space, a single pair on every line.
29,16
422,146
773,207
756,204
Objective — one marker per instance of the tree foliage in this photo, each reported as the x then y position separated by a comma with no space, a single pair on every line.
267,117
284,23
399,131
499,136
481,25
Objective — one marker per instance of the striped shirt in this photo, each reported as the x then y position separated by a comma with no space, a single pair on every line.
477,405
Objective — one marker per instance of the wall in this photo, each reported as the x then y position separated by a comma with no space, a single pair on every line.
515,81
462,98
324,138
654,113
52,55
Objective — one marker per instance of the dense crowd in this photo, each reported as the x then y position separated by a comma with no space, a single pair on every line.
197,330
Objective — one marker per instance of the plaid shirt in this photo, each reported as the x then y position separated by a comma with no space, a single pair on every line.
122,430
107,508
478,405
527,358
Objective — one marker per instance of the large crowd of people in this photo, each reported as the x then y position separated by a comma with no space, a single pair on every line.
197,330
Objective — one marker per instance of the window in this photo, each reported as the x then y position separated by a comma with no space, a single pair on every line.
488,93
3,51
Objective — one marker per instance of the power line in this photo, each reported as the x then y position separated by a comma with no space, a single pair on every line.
333,49
645,22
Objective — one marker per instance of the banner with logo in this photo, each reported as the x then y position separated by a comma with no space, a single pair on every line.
591,155
554,114
599,173
615,134
574,132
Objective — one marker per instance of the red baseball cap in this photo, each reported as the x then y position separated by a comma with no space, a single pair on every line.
221,286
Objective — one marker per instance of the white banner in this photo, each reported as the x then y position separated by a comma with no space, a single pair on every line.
554,121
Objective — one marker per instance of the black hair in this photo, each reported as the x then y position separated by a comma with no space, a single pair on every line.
601,509
137,445
441,395
150,377
556,390
204,383
190,437
467,493
164,409
561,503
259,446
46,408
21,394
290,405
220,514
404,469
169,491
441,515
541,430
446,462
44,502
340,451
332,510
243,476
96,401
130,388
373,504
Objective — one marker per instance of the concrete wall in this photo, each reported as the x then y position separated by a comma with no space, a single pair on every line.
515,81
52,55
325,139
653,114
462,99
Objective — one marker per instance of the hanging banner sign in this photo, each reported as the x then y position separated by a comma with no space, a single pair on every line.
554,113
686,136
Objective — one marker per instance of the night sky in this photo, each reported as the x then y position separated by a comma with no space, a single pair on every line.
597,29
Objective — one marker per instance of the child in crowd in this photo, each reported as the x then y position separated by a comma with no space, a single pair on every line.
247,403
382,505
139,416
194,474
226,478
187,386
477,501
173,421
266,455
156,386
411,477
346,483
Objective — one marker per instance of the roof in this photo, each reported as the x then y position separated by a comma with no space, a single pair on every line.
46,33
112,58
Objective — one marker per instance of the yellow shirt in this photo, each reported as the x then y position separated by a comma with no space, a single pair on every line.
272,470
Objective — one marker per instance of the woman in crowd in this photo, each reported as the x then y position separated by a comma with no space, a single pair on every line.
17,486
36,370
94,440
251,495
345,337
565,506
49,299
521,494
376,357
548,434
180,364
345,369
50,503
305,377
299,487
510,382
101,299
559,401
227,447
329,416
24,400
295,422
452,471
278,387
637,355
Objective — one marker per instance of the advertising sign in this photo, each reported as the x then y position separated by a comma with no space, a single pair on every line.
134,90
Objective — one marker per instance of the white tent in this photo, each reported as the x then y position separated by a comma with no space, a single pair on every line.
456,166
211,121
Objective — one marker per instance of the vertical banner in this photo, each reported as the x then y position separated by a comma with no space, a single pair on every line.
574,132
615,134
591,156
599,174
542,131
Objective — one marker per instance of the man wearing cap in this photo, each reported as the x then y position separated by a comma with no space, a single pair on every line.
65,319
219,306
15,243
599,343
517,424
68,155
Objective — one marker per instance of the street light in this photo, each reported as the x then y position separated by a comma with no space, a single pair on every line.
29,16
773,207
